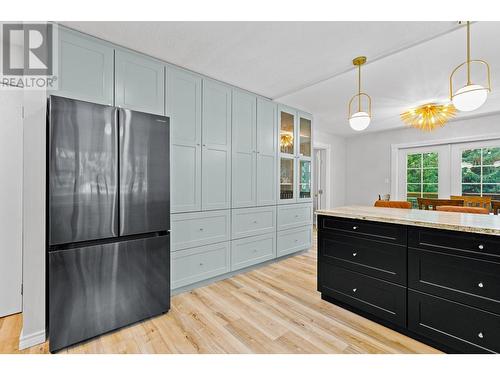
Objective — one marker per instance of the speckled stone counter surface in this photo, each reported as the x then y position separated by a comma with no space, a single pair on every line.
473,223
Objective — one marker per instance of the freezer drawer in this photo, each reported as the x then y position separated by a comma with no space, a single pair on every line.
144,173
82,171
99,288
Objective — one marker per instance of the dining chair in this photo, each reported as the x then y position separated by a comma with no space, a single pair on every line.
495,207
392,204
432,203
473,201
465,209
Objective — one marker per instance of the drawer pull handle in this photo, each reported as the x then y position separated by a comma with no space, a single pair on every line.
355,227
481,247
201,264
296,240
201,229
254,250
480,285
296,216
354,290
255,221
354,254
480,335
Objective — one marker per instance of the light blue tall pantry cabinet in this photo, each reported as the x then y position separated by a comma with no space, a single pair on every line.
240,163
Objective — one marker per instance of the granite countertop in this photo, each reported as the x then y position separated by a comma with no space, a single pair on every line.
473,223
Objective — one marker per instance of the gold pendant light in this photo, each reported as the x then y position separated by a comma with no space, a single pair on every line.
360,119
472,95
429,116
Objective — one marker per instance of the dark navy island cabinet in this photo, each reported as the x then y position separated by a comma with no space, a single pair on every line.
441,287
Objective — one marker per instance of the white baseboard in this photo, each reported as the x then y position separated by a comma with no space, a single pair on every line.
26,341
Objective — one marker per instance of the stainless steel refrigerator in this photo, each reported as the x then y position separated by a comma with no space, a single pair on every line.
108,206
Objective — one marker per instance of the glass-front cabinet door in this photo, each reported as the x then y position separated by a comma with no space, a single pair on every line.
304,160
287,132
304,185
295,145
305,144
287,179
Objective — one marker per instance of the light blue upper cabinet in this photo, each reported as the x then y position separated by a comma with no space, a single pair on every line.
183,106
287,119
267,151
244,149
216,146
139,82
84,67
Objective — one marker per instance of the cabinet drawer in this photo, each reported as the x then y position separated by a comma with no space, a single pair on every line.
192,265
374,258
465,329
294,215
380,298
367,229
293,240
253,221
444,240
199,228
252,250
471,281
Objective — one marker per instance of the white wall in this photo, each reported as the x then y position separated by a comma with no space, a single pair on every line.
337,166
34,219
368,156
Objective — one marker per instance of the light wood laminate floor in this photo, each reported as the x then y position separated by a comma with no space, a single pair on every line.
273,309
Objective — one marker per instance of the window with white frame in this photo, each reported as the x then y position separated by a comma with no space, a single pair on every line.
422,176
480,174
438,171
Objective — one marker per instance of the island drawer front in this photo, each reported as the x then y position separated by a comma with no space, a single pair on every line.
373,258
445,240
294,215
200,263
247,222
252,250
293,240
199,228
463,328
377,297
392,233
471,281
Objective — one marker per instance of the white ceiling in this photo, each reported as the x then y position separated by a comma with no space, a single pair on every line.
308,64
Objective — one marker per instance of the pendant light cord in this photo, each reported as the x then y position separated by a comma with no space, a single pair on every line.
468,53
359,88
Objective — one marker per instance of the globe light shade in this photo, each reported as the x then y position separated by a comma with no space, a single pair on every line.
470,97
359,121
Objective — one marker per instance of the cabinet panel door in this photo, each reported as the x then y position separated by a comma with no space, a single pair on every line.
139,82
243,149
85,68
184,109
216,151
267,148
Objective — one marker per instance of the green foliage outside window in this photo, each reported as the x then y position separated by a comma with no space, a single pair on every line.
481,172
422,176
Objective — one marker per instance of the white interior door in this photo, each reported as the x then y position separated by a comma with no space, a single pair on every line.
11,167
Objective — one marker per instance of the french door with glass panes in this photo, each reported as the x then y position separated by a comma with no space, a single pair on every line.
423,172
475,169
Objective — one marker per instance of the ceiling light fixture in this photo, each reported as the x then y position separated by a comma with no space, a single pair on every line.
429,116
471,96
360,119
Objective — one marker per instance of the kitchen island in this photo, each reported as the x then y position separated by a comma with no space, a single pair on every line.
431,275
